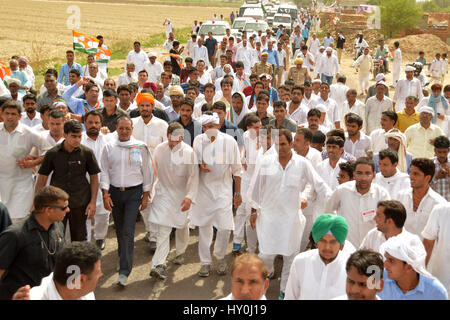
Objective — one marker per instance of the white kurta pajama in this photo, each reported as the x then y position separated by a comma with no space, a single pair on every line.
101,217
399,181
404,89
365,65
359,210
276,193
214,204
374,239
16,184
397,68
152,134
311,279
177,179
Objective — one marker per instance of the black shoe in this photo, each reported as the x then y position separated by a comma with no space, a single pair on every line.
159,272
152,246
100,244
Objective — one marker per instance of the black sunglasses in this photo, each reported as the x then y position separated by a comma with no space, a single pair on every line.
59,207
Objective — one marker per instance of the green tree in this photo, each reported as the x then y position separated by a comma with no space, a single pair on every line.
430,6
398,15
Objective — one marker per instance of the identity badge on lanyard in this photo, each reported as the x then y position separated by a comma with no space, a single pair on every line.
368,215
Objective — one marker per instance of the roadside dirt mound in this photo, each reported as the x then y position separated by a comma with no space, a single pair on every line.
411,45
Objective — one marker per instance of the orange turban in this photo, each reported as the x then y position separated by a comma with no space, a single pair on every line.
145,97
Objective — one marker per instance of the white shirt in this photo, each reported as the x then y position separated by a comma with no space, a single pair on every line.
177,179
328,173
306,62
314,156
359,210
358,148
327,65
125,79
375,238
200,54
298,115
374,108
152,133
437,229
230,297
277,194
311,279
338,92
359,108
215,192
405,88
190,47
118,171
244,54
314,46
281,56
47,291
154,70
332,108
31,122
138,58
378,140
204,78
416,220
399,181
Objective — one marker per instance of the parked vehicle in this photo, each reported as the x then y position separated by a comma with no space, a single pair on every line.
253,27
289,9
238,25
218,29
255,13
284,20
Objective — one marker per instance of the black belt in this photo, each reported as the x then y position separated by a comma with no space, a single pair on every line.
126,188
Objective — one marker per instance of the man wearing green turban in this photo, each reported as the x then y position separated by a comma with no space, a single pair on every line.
320,274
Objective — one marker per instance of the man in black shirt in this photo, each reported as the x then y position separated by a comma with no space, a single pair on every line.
110,112
70,161
192,126
340,45
28,248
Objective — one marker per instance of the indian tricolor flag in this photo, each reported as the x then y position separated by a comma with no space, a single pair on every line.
89,45
4,70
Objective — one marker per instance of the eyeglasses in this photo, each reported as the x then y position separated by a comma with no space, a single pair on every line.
59,207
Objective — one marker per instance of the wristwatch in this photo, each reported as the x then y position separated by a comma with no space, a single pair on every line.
237,194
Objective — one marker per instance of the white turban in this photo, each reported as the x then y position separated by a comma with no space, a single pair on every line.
13,80
426,109
408,249
380,77
399,136
410,68
206,118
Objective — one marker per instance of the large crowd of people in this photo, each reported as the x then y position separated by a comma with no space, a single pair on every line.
257,136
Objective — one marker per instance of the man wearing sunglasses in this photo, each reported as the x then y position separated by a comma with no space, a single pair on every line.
28,248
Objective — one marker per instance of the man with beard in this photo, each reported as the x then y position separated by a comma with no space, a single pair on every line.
176,94
357,200
319,274
390,220
278,183
70,162
190,125
295,109
30,116
356,142
51,93
313,121
152,131
96,140
331,107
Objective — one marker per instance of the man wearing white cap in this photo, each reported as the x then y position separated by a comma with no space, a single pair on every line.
410,86
437,243
314,45
371,92
153,67
327,66
420,136
14,89
220,162
407,278
365,65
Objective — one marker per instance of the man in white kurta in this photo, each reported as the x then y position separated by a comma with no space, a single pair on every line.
420,199
175,190
329,169
437,243
389,177
375,106
351,104
154,68
365,65
244,54
152,131
278,184
96,140
138,56
397,65
390,219
16,142
410,86
220,162
200,53
338,92
357,200
377,136
319,274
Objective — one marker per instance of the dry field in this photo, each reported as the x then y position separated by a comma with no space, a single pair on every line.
38,29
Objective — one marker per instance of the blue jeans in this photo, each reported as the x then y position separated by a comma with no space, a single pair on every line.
325,78
124,212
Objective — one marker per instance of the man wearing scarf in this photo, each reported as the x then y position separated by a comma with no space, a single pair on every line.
439,103
319,274
238,108
126,181
406,277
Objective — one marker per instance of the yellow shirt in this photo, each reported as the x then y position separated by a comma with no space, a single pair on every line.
418,140
404,121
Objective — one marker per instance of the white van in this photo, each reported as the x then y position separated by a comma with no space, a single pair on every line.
218,29
284,20
255,13
239,24
252,27
246,6
289,9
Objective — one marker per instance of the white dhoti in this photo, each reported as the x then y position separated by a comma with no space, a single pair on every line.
364,81
397,68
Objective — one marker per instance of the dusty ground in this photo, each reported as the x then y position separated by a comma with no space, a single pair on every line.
27,28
